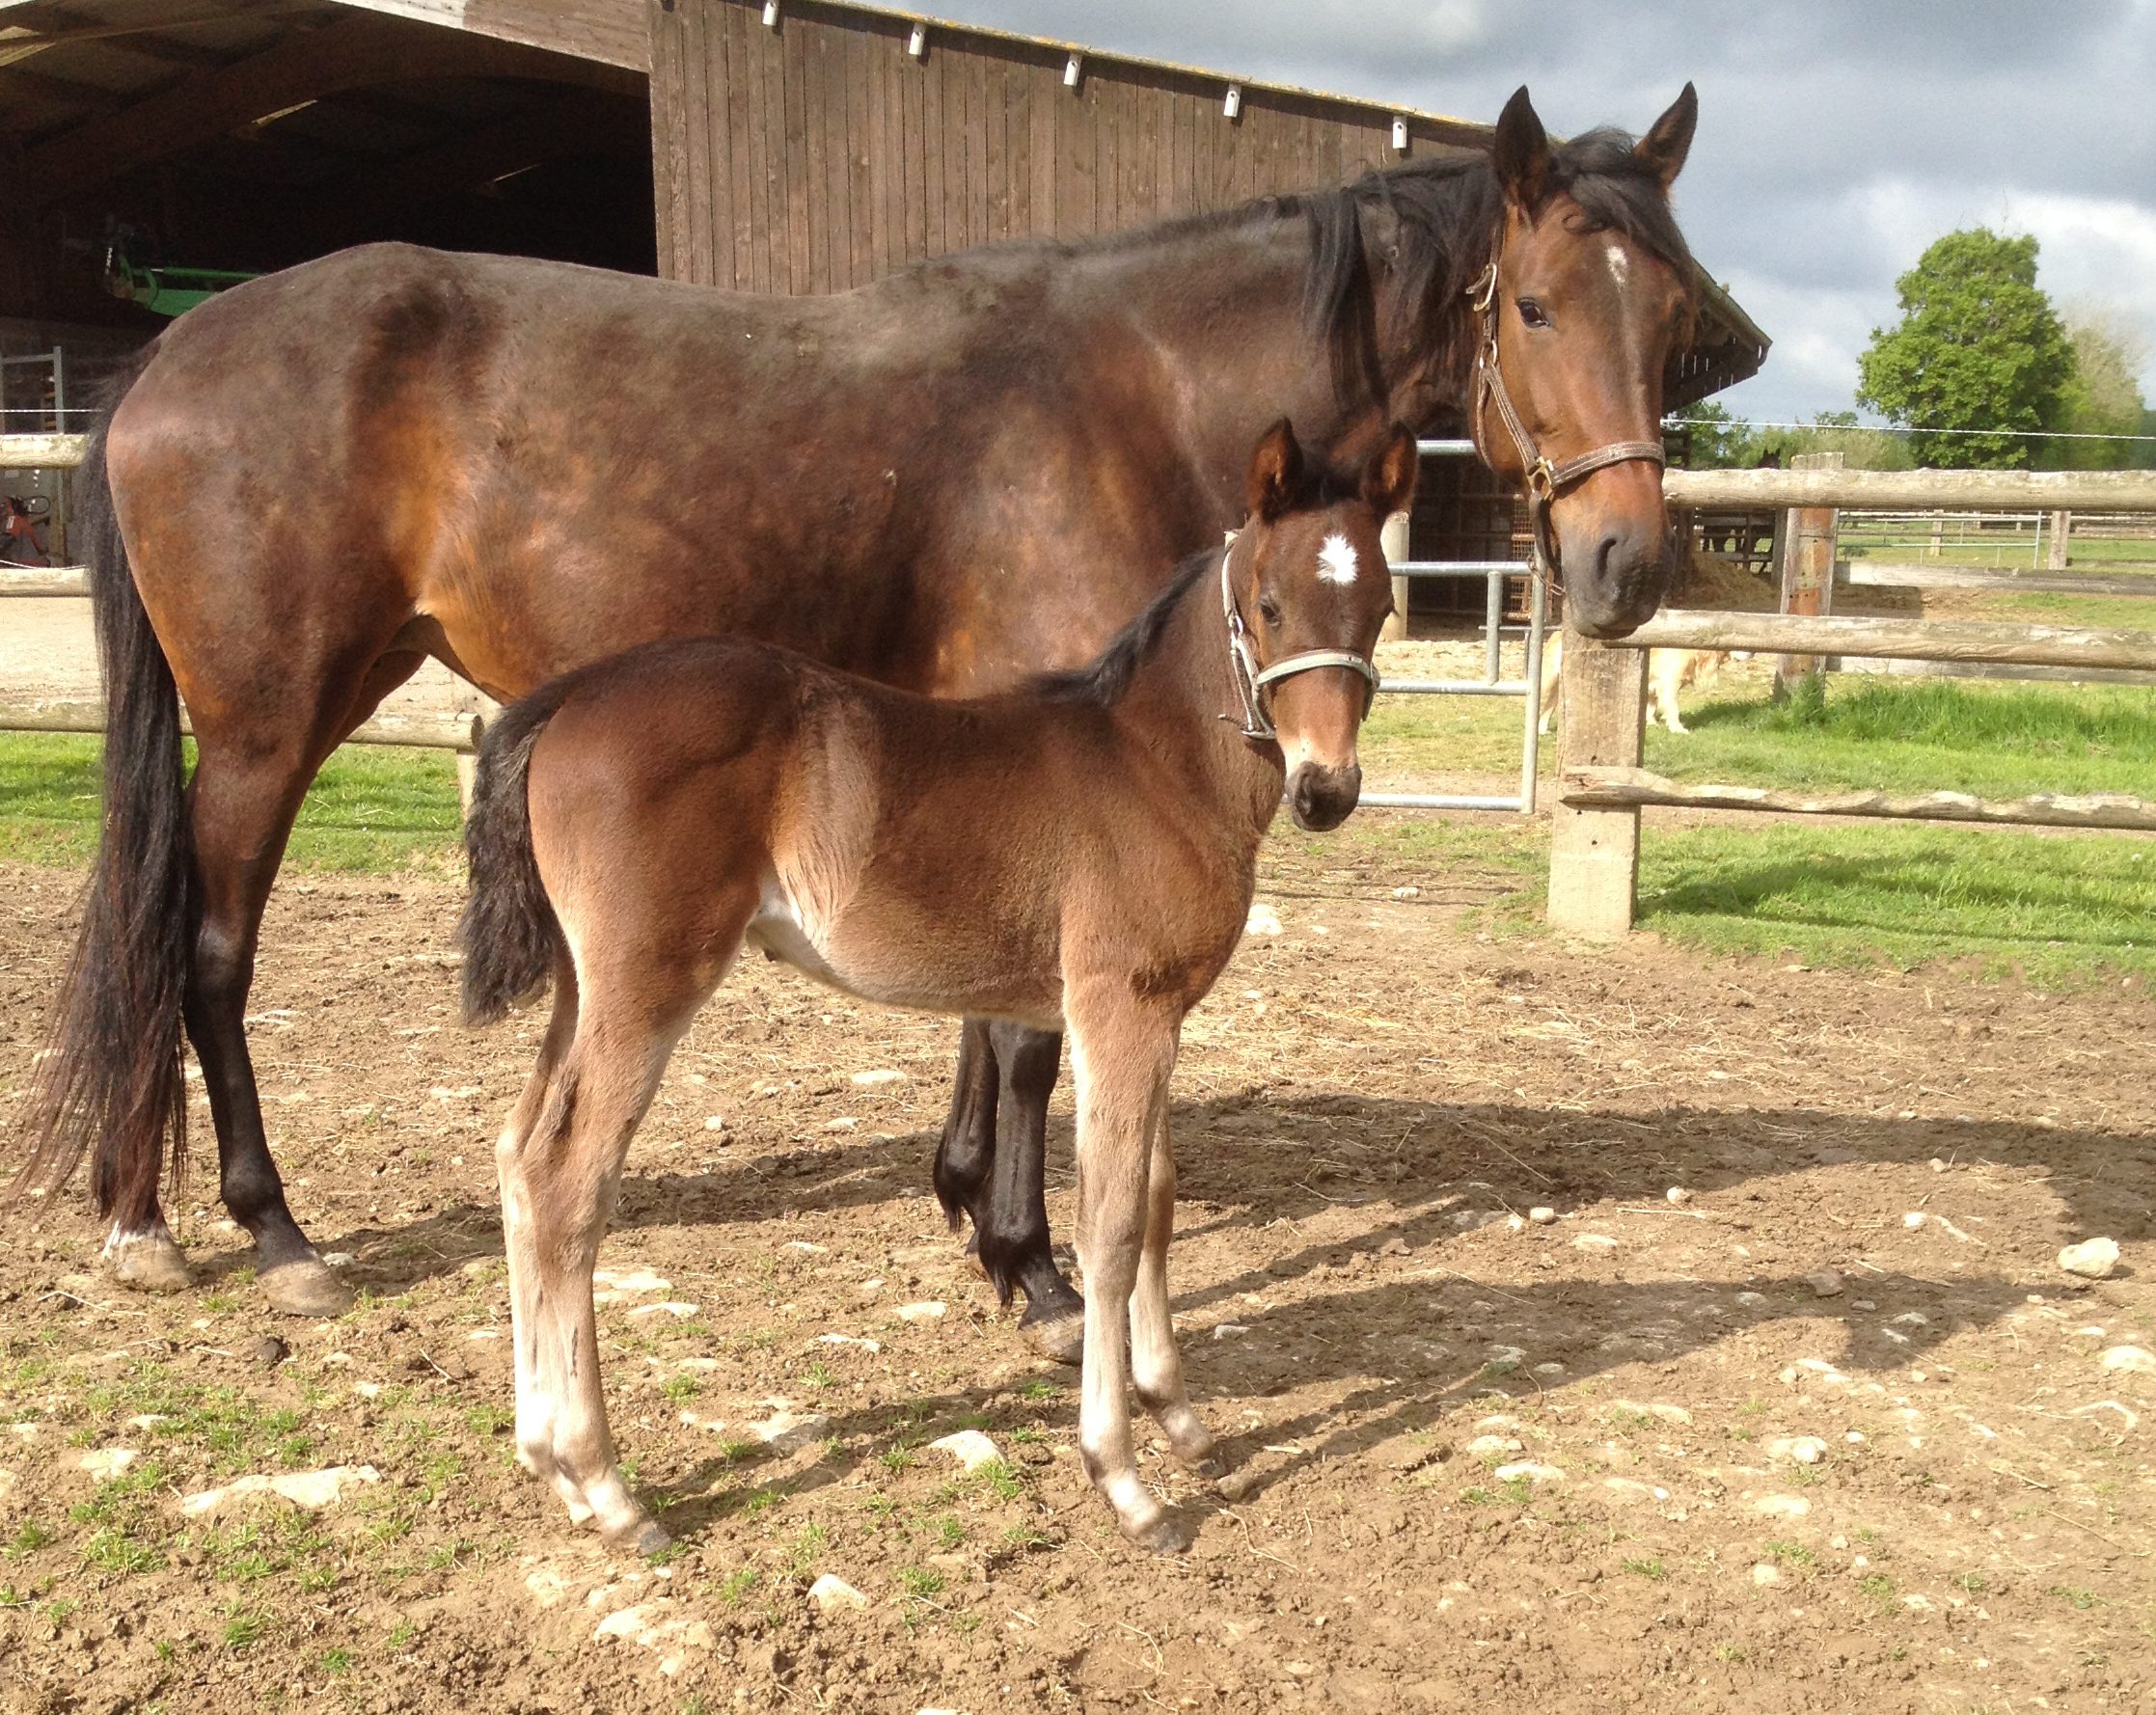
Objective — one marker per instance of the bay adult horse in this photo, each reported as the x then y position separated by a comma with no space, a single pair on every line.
320,477
1076,854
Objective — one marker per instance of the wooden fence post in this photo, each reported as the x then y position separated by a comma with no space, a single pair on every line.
2062,527
1393,539
1807,568
1595,853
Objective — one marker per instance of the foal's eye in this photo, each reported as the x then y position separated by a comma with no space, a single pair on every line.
1533,314
1268,610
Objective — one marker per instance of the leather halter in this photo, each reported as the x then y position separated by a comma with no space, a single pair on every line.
1544,480
1250,679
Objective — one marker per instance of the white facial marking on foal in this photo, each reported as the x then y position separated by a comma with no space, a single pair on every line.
1336,560
1620,264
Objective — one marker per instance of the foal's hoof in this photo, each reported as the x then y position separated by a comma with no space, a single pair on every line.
305,1285
1165,1535
1056,1335
638,1536
147,1262
972,1255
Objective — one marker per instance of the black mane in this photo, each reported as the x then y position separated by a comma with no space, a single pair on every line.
1107,677
1445,213
1104,678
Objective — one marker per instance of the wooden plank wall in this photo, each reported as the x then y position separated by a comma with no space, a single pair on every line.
819,155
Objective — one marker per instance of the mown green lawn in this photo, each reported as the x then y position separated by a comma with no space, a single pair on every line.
1997,740
371,809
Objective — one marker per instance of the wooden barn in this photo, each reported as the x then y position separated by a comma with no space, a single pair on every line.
154,149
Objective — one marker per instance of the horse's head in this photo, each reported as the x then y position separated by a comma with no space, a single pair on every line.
1585,298
1307,589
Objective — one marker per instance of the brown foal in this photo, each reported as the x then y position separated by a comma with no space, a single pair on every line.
1077,855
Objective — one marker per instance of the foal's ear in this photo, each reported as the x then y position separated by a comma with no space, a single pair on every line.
1388,480
1669,140
1522,152
1275,471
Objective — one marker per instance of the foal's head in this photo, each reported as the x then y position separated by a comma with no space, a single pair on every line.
1308,577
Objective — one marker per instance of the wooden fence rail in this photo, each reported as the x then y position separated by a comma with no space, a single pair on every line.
1594,871
451,732
1896,640
42,452
1956,491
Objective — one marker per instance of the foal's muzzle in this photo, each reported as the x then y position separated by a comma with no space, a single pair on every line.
1320,797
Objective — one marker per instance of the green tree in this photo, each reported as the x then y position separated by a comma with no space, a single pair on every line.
2103,396
1719,442
1839,431
1978,347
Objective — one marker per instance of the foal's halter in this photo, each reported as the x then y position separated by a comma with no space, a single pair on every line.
1251,679
1544,480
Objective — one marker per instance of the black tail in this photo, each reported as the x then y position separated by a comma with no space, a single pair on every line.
110,1082
508,931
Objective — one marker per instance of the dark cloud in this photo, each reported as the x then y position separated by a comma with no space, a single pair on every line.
1837,139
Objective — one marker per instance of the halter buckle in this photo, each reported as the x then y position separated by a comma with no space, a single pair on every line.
1542,479
1483,292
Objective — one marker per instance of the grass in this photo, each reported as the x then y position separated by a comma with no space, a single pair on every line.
370,810
2059,912
1920,735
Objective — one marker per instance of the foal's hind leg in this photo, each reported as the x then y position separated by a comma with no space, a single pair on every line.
560,1166
1123,1055
1156,1360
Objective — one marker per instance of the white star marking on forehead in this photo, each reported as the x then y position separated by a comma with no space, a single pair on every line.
1336,560
1620,264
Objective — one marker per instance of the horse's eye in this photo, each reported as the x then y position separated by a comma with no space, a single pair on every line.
1532,313
1268,610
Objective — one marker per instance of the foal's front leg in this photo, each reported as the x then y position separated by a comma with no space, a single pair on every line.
1123,1055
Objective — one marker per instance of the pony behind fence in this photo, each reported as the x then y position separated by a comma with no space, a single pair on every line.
1077,856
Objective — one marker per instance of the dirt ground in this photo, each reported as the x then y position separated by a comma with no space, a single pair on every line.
1789,1407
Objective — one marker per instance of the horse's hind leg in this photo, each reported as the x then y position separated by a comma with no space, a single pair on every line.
247,790
1156,1360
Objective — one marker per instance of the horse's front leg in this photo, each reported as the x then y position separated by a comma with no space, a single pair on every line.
1013,1219
1123,1053
992,1164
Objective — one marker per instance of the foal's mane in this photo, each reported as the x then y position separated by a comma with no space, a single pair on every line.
1362,290
1105,679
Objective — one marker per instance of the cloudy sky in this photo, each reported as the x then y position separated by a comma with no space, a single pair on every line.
1837,138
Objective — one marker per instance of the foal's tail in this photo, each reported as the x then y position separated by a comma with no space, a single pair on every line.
109,1082
508,932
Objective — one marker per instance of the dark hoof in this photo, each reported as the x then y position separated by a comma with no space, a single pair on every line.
972,1255
1058,1336
147,1262
305,1286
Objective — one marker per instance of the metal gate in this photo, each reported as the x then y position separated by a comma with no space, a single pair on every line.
1529,689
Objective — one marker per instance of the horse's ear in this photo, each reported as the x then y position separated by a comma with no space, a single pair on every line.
1669,140
1388,480
1275,471
1522,152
